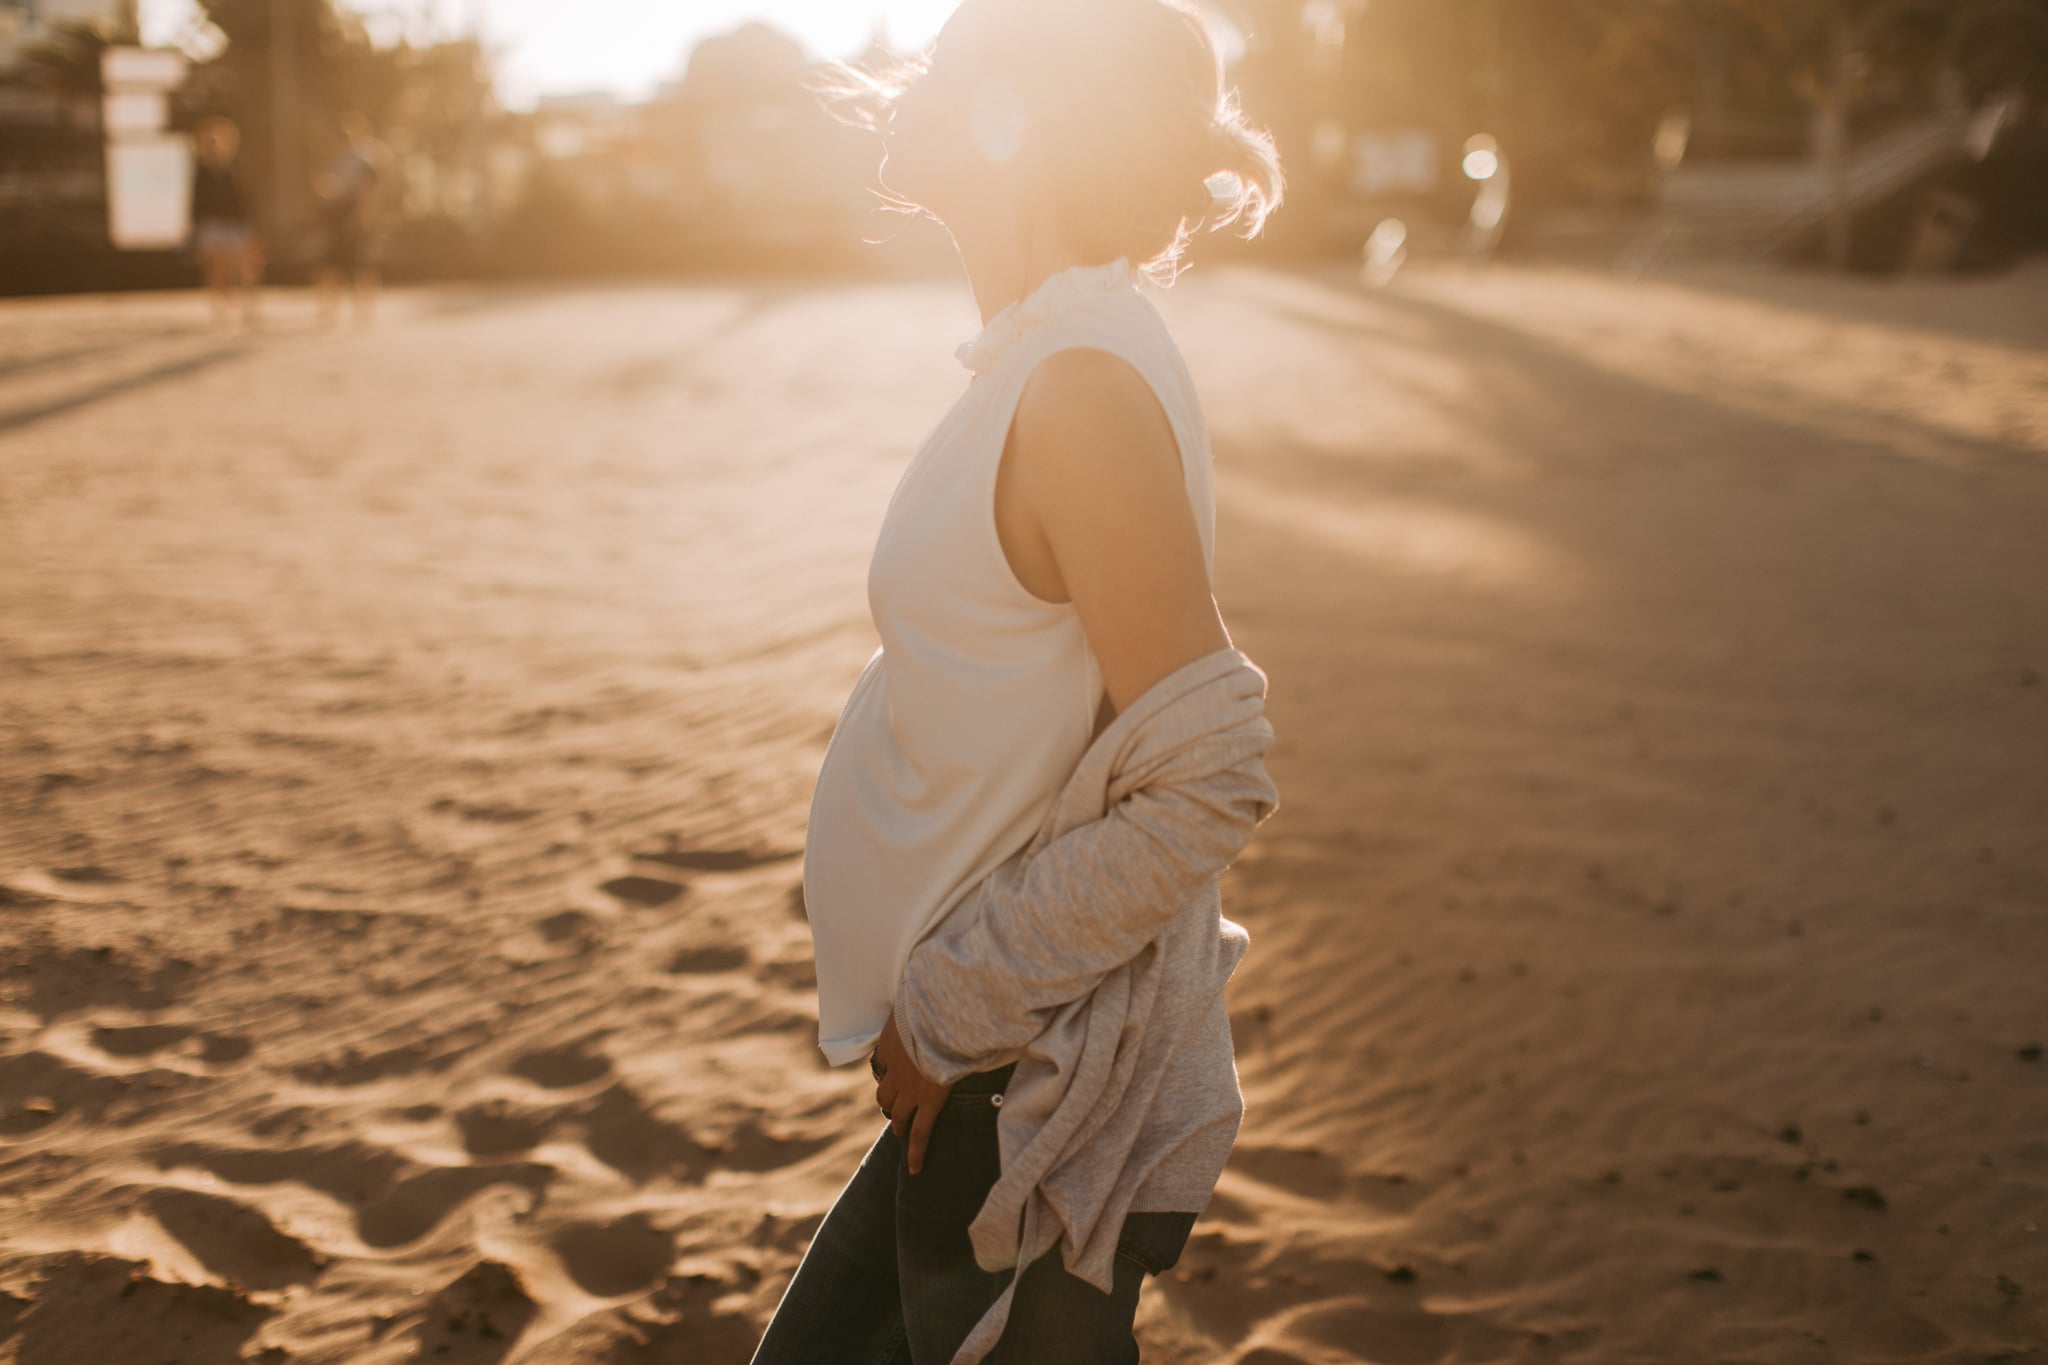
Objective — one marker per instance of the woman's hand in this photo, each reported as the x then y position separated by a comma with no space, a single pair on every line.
906,1096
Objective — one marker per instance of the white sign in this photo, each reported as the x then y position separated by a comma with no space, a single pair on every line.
141,68
149,192
128,112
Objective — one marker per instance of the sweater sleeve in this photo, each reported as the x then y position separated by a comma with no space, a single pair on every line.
1084,904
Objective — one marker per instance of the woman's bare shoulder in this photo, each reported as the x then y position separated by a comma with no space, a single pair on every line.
1106,485
1087,413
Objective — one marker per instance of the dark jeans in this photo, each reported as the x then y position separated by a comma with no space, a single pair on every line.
890,1276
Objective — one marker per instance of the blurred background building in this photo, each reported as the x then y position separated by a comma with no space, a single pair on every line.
52,178
731,164
26,22
1644,128
1875,133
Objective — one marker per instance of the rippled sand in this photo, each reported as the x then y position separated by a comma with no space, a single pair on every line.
406,739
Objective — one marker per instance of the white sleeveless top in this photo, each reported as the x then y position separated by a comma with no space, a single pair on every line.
982,697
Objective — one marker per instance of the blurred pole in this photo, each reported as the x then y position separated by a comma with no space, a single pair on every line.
476,133
1714,48
1841,44
284,161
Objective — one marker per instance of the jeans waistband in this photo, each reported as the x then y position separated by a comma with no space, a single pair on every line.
984,1082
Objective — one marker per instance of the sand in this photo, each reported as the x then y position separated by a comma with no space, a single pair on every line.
406,739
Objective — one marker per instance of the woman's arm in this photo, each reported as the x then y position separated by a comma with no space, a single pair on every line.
1094,461
1100,466
1095,464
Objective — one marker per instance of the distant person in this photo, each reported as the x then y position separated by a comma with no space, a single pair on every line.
1018,830
224,237
351,195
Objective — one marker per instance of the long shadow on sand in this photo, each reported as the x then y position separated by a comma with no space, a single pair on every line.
21,418
98,351
1540,397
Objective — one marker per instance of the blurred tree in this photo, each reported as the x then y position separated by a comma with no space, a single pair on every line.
288,69
1780,57
1575,89
270,76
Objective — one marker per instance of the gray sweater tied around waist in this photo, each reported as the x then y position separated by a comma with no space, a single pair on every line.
1095,959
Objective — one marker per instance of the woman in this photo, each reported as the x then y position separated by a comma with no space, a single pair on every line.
223,237
1042,566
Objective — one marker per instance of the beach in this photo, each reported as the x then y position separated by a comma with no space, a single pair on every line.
407,735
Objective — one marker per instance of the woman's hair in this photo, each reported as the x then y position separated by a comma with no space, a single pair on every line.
1143,145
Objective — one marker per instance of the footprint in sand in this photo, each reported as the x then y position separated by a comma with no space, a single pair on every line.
396,1199
352,1172
85,884
752,1148
571,926
562,1068
620,1257
142,1040
564,934
670,854
499,1128
717,958
89,874
798,973
355,1067
139,1041
650,893
39,1088
476,1319
93,1307
416,1205
482,812
622,1132
234,1240
679,1320
64,981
